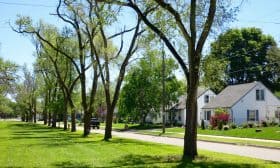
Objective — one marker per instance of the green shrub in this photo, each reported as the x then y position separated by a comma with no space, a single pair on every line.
257,125
245,125
273,123
264,124
220,125
250,125
225,127
233,126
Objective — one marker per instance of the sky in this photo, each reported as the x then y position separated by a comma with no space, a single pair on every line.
262,14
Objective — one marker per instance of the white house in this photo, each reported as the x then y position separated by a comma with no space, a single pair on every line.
178,113
250,102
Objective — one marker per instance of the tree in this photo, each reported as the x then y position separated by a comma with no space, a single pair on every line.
6,108
106,15
7,80
194,31
7,76
245,53
26,95
62,68
47,85
273,57
142,93
213,70
83,29
87,23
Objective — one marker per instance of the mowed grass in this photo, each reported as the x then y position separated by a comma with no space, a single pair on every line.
214,139
271,133
29,145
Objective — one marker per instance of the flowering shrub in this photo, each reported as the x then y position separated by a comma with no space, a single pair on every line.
219,119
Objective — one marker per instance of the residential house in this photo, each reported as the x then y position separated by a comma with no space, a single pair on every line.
178,111
250,102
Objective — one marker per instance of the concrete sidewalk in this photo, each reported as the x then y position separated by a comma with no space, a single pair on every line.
249,151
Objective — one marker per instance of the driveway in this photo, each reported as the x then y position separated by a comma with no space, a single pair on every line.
249,151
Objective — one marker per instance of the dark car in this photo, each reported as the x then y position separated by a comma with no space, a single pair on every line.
94,123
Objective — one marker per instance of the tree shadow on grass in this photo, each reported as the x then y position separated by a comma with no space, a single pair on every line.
124,141
69,164
133,160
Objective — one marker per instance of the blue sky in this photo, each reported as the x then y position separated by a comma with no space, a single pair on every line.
15,47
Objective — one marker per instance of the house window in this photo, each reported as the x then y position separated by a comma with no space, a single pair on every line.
207,115
259,94
252,115
206,99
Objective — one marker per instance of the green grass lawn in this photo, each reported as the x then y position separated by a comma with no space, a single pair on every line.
178,132
272,133
29,145
213,139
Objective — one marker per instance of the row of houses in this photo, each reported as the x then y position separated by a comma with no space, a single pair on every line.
250,102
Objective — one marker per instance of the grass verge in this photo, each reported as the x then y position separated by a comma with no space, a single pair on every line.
29,145
213,139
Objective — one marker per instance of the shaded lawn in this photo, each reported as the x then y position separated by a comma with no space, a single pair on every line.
29,145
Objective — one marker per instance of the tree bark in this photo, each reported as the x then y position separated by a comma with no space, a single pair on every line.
73,118
49,118
87,117
45,116
190,144
109,120
54,117
65,114
35,110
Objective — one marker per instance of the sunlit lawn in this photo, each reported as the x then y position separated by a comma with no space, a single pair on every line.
272,133
28,145
178,132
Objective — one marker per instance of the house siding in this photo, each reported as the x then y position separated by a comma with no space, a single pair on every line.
181,113
266,108
201,103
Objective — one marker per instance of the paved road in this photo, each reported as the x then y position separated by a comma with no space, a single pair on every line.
249,151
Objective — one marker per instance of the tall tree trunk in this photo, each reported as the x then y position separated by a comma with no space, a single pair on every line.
87,117
35,111
49,118
54,117
65,114
87,114
45,111
23,117
163,90
109,120
45,116
73,119
190,144
30,116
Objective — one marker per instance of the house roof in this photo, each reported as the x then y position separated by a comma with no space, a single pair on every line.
182,100
230,95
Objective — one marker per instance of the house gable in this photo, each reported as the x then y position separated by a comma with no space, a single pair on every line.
230,95
265,108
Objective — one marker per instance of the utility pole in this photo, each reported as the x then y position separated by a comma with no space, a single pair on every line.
163,89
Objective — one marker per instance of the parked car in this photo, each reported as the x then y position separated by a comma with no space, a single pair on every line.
95,123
